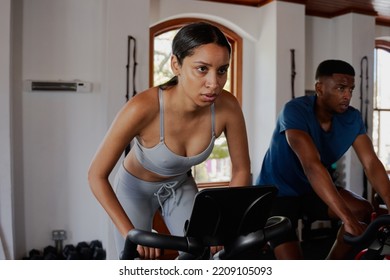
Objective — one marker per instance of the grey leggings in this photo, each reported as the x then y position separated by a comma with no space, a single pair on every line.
141,199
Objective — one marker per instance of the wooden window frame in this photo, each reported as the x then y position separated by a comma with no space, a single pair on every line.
235,66
382,44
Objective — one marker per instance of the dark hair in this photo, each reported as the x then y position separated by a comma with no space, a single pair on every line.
329,67
191,36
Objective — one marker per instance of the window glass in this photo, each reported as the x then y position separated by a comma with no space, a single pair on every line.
383,81
381,136
381,117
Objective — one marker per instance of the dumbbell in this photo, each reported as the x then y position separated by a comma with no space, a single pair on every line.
50,253
98,253
81,251
35,254
70,253
84,250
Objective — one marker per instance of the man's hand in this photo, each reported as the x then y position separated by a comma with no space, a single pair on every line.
355,228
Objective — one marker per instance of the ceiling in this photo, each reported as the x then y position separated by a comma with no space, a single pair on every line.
330,8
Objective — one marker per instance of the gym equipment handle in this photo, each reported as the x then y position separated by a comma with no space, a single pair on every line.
371,231
157,240
275,226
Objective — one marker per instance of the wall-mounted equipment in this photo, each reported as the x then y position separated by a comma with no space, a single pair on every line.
72,86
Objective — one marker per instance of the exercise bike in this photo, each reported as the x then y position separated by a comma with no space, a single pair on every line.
374,243
236,218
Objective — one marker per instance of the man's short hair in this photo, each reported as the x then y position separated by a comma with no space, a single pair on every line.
329,67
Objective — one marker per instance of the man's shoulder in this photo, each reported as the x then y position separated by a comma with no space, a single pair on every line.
305,103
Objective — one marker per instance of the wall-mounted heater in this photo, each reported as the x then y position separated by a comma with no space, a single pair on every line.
73,86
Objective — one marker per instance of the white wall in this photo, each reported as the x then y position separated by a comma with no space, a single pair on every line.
68,40
318,46
6,192
59,132
277,21
61,40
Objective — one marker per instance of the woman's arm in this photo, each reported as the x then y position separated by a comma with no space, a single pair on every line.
236,135
131,120
128,123
106,157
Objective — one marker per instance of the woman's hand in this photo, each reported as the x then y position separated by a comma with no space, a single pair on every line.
215,249
147,253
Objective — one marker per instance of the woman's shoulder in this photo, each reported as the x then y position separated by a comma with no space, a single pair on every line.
149,94
147,98
227,100
144,103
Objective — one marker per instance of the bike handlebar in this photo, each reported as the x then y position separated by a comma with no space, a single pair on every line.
275,226
157,240
370,233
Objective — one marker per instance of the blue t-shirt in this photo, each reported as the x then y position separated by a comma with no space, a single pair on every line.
282,168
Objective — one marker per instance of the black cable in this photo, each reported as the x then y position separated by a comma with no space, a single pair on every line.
293,73
364,103
364,111
130,39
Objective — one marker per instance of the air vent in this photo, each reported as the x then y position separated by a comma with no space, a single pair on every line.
70,86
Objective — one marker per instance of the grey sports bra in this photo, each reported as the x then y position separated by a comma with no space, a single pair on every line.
161,160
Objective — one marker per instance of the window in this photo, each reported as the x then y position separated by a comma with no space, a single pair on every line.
381,117
216,170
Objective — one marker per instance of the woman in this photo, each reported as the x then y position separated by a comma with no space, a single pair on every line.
174,127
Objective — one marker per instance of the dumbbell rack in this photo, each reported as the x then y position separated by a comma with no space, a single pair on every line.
82,251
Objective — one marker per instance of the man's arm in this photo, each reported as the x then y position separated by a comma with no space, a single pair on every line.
373,167
320,179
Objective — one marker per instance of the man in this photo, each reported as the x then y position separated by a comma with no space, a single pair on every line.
312,133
